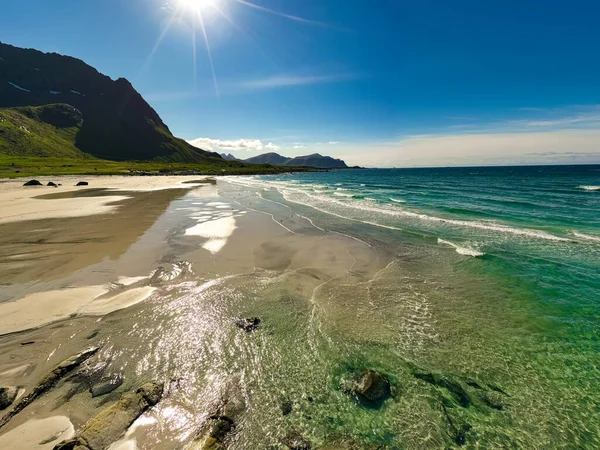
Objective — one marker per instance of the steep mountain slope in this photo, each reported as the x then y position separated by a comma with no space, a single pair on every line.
117,122
268,158
314,160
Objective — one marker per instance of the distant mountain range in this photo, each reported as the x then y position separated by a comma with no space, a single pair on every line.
58,106
54,105
275,159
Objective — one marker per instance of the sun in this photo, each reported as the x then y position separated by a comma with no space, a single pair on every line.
196,5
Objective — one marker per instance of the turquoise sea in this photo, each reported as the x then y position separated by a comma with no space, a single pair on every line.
502,267
475,292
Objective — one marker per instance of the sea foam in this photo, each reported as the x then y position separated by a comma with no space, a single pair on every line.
586,237
466,251
589,188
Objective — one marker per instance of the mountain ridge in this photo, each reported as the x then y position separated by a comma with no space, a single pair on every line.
313,160
117,123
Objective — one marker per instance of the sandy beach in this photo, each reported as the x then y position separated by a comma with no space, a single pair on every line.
273,313
77,261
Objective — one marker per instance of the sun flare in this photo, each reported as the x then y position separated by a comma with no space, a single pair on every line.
196,5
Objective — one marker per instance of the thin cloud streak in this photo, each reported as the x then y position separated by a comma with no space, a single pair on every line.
294,80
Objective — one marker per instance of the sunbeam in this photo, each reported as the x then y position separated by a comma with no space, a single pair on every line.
209,52
277,13
195,10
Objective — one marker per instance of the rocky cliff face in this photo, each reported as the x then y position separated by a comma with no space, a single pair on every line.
117,124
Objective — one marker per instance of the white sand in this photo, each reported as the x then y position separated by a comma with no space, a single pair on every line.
17,202
128,281
33,433
216,231
41,308
100,307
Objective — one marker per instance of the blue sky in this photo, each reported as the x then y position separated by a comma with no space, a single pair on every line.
379,82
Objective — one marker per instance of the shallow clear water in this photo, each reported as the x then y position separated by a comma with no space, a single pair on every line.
487,278
501,267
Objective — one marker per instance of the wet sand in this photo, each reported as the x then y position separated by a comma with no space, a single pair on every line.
111,262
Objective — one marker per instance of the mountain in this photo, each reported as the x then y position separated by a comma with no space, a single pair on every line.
314,160
83,112
268,158
228,157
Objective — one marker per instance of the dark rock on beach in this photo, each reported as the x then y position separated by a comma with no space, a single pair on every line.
112,422
33,183
369,387
248,325
49,381
52,184
8,394
82,183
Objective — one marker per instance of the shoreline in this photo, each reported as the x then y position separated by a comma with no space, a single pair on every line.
231,291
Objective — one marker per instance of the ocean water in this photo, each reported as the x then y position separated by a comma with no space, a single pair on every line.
495,276
475,291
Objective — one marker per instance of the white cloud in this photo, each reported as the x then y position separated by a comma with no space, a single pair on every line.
562,146
334,142
218,145
299,146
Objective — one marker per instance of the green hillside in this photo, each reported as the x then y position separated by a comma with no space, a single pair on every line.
23,132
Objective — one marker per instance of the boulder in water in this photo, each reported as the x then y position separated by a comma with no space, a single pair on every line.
82,183
295,441
369,387
287,407
33,183
52,184
248,325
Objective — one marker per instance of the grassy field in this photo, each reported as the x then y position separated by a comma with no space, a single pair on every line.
20,167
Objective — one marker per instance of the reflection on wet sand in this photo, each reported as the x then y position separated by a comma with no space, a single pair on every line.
48,249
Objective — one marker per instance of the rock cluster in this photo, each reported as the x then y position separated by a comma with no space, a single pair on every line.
112,422
49,381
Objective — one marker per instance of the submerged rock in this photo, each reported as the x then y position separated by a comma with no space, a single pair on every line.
49,381
295,441
287,407
220,425
8,394
460,437
33,183
370,388
112,422
106,386
248,325
82,183
213,439
453,387
52,184
494,400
